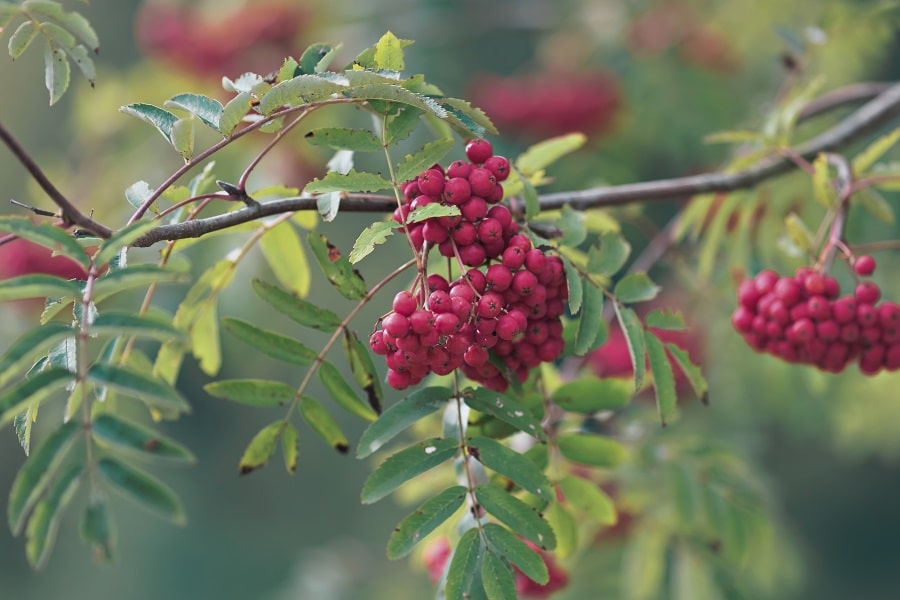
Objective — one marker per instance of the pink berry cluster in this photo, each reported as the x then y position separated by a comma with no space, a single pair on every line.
804,319
506,306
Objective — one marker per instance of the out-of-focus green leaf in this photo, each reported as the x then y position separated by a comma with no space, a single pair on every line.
401,415
663,378
323,424
591,449
286,257
634,336
563,524
37,286
665,318
610,256
120,280
297,309
545,153
571,224
48,236
35,342
517,515
336,267
269,343
512,465
203,107
143,488
590,394
876,205
123,323
43,525
123,238
252,392
402,466
430,515
261,448
21,39
590,323
150,390
635,287
363,369
691,371
588,498
32,391
864,161
343,394
137,440
644,563
290,446
506,409
97,529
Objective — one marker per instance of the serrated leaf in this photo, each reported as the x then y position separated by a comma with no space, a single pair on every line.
512,465
663,379
587,497
260,449
497,578
286,257
297,309
591,449
336,267
252,392
509,546
343,394
143,488
591,321
160,118
344,138
96,529
430,211
398,127
203,107
864,161
475,120
518,516
506,409
122,323
635,287
876,205
43,526
461,574
401,415
543,154
48,236
270,343
428,517
611,256
299,90
634,336
352,181
233,112
151,391
563,524
396,94
21,39
691,371
376,233
138,441
590,394
38,471
363,369
389,52
323,424
574,284
402,466
665,318
290,446
32,391
25,349
431,153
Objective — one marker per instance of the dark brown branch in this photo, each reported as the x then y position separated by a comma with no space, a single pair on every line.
863,121
70,214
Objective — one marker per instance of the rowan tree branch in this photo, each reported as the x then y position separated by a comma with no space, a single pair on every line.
69,214
874,114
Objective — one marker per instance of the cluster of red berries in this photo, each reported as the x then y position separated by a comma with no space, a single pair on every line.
505,307
804,319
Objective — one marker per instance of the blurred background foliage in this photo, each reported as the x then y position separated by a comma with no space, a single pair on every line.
646,80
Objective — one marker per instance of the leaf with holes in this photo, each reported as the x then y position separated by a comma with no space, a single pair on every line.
518,516
512,465
401,415
428,517
402,466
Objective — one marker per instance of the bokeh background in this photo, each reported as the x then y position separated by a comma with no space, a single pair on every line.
646,80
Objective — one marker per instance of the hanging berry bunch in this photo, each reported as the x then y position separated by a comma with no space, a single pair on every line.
500,318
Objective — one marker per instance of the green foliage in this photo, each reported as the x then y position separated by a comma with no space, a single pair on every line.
143,488
428,517
400,416
406,464
336,267
517,515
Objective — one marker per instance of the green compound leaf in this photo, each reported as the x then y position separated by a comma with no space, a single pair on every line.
634,336
153,392
543,154
343,394
518,516
233,113
57,36
81,27
508,545
261,448
301,90
665,318
30,346
290,446
586,497
43,526
474,121
323,424
396,94
428,517
286,257
203,107
297,309
373,235
353,181
463,572
160,118
590,323
512,465
363,369
343,138
399,468
123,238
269,343
663,379
401,415
497,578
398,127
591,449
691,371
611,255
38,286
430,154
133,439
143,488
96,529
38,471
21,39
336,267
506,409
252,392
590,394
430,211
32,391
123,323
635,287
48,236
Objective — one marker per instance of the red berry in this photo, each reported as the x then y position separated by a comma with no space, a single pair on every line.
513,257
476,356
421,321
482,182
479,150
864,265
498,278
464,233
437,282
399,380
474,209
395,324
404,303
431,182
765,281
867,292
789,291
457,190
844,309
459,168
490,305
815,284
524,282
473,255
508,328
748,295
889,314
434,232
499,166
